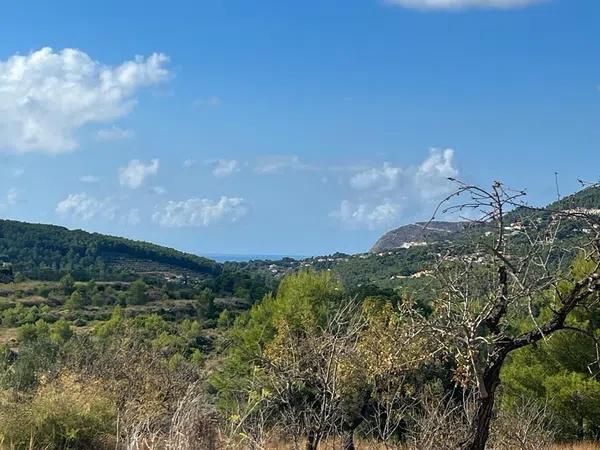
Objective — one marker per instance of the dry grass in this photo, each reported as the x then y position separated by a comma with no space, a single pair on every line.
8,335
582,446
361,445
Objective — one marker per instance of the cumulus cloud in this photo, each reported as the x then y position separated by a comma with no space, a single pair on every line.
114,134
85,207
462,4
382,191
197,212
135,173
46,96
432,176
362,215
225,167
385,178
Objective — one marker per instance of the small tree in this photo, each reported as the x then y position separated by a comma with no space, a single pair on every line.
75,301
67,284
510,286
137,294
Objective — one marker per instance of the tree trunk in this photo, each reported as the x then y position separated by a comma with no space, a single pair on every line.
348,443
312,441
480,428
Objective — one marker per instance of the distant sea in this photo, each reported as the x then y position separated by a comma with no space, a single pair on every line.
220,257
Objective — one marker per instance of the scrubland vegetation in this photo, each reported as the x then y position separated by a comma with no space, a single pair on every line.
497,348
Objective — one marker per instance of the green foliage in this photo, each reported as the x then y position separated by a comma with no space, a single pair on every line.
557,372
67,284
60,332
75,301
137,294
301,304
225,319
47,252
63,414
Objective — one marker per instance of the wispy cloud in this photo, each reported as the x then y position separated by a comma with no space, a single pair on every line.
277,164
89,179
159,190
114,134
224,167
132,218
462,4
188,163
11,198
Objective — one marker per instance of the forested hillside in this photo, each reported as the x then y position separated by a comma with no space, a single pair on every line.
48,252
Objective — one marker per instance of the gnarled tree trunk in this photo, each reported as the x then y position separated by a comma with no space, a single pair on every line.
480,428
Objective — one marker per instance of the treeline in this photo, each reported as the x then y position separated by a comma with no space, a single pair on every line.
48,252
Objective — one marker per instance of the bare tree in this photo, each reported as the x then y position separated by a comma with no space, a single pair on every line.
510,269
308,373
439,420
527,427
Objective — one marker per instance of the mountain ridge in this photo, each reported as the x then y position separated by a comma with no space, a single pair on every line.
425,233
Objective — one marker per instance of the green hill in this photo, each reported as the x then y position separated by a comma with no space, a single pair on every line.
48,251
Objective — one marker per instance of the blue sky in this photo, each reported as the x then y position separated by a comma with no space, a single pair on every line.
288,127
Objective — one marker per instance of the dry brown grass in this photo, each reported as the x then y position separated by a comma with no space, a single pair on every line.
361,445
582,446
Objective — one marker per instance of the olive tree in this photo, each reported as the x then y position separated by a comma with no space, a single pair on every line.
514,281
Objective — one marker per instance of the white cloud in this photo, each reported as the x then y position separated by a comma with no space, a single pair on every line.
385,178
363,215
46,96
462,4
85,207
115,134
18,172
89,179
432,176
197,212
277,164
136,172
383,189
225,167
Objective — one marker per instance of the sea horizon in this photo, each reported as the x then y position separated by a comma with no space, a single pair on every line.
242,257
